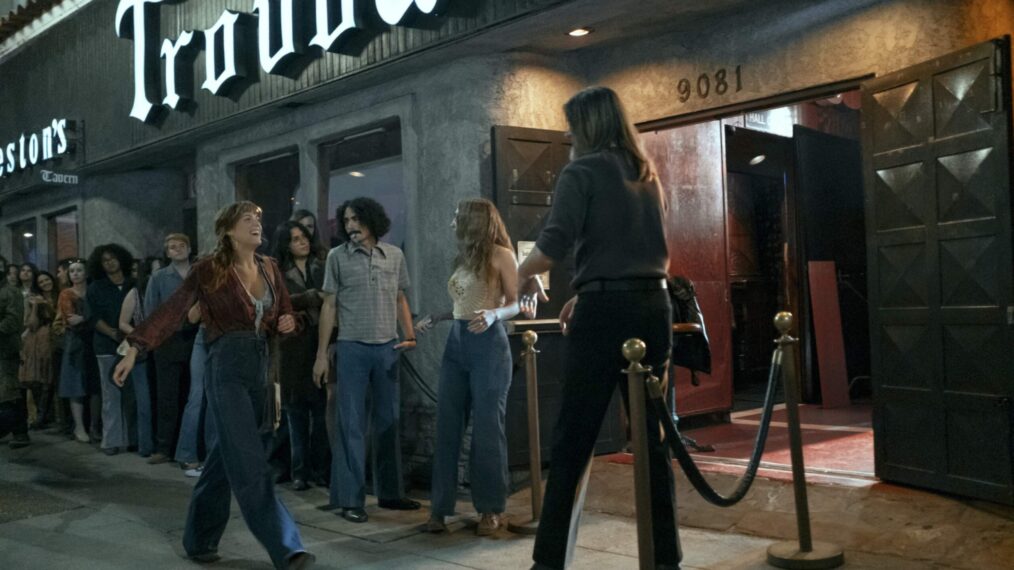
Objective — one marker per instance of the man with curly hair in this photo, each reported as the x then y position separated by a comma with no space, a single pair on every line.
366,280
109,271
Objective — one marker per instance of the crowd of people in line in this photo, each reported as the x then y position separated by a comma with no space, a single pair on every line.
178,359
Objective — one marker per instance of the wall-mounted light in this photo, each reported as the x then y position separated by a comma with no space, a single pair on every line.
757,159
580,32
356,174
29,235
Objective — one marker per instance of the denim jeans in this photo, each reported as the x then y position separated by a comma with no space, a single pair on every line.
193,415
363,367
235,381
118,411
145,421
475,376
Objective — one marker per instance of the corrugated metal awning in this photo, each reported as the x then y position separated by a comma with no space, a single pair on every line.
19,13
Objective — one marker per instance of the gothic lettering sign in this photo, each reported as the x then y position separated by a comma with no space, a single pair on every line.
279,39
36,147
51,177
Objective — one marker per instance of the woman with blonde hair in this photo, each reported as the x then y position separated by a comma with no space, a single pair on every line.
243,300
475,374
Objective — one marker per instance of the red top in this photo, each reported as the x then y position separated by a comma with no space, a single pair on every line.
227,309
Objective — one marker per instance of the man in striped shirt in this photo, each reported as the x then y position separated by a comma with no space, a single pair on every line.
364,287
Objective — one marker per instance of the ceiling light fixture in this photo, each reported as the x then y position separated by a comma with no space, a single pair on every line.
757,159
356,174
29,235
579,32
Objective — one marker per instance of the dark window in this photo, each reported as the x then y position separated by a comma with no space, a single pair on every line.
366,163
63,236
24,241
271,183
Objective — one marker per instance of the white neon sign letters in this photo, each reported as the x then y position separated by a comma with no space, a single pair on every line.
334,23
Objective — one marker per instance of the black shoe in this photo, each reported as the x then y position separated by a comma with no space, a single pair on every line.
110,450
401,504
328,507
19,440
208,557
299,485
355,515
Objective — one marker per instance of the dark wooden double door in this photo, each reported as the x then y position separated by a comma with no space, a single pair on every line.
936,146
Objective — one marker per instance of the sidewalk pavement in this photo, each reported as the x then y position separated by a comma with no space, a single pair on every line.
65,505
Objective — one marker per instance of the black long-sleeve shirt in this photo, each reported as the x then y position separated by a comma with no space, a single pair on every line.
616,222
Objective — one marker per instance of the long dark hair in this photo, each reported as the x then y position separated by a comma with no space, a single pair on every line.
52,295
94,267
370,213
224,254
33,287
598,122
316,246
283,236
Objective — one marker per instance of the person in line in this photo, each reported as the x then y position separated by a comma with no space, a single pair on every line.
192,426
131,314
12,409
27,274
36,371
13,276
366,279
243,301
309,221
78,382
607,205
109,286
475,374
303,402
172,359
63,424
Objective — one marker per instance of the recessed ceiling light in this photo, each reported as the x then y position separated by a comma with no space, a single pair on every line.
29,235
757,159
356,174
579,32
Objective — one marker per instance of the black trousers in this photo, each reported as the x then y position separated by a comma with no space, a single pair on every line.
593,363
172,380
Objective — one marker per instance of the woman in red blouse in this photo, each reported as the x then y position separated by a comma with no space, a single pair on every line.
243,301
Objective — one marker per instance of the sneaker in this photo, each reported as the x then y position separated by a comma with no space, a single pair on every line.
436,525
19,440
157,458
489,524
82,437
194,471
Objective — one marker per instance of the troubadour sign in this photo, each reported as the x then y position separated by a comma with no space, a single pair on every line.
278,39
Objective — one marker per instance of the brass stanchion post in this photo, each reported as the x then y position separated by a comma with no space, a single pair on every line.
529,338
805,554
634,350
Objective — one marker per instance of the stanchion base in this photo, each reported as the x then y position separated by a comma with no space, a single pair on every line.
525,527
788,555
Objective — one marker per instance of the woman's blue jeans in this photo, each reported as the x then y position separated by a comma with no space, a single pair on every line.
145,419
235,385
191,427
475,376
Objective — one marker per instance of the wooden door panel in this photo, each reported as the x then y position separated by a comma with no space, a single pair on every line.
690,165
936,140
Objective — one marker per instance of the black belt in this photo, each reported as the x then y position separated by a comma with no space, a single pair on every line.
622,285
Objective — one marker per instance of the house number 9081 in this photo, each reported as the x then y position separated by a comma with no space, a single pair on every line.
718,83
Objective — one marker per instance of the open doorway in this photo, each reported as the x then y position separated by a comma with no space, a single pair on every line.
767,215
